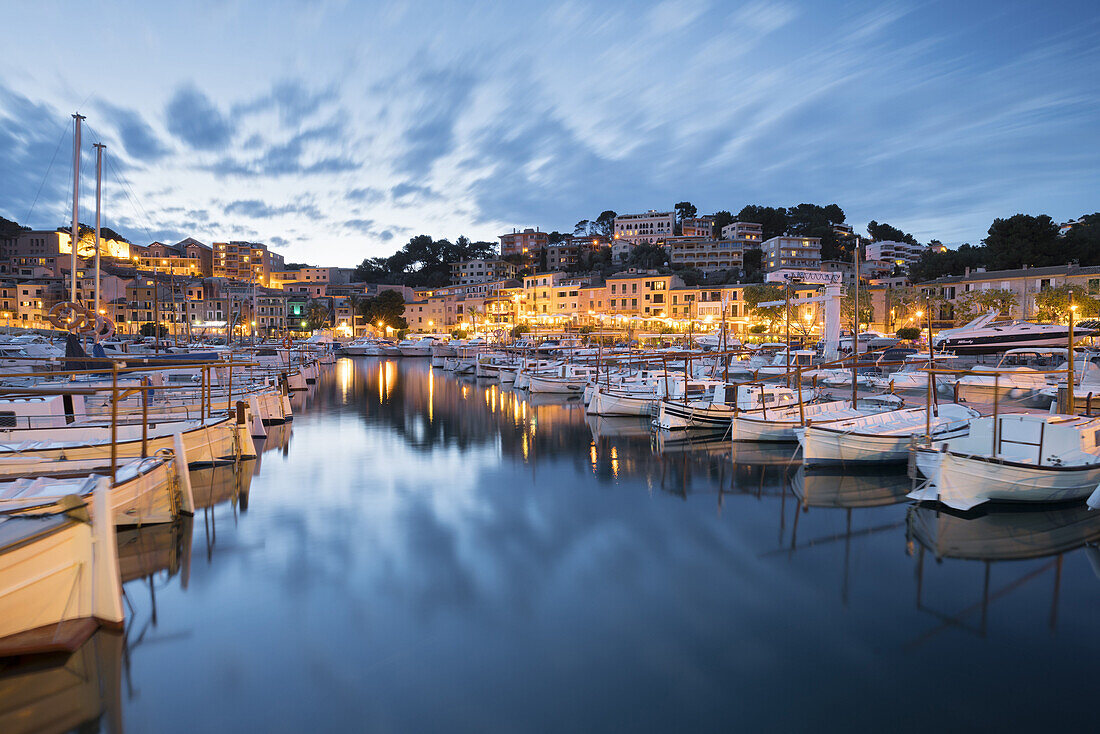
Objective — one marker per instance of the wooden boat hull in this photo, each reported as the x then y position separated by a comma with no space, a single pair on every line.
59,580
610,403
156,493
841,445
556,385
674,416
962,481
219,441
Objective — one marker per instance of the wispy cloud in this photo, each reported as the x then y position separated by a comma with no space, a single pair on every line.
195,120
454,122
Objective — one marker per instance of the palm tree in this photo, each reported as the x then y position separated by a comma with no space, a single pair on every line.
317,314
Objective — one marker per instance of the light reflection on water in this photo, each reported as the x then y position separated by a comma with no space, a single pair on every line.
423,552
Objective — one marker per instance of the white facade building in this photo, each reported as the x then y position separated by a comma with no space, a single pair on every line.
705,254
899,253
786,251
749,233
649,227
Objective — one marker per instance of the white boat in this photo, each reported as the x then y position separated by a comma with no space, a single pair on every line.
983,336
569,379
913,374
362,347
146,491
880,438
416,347
1021,375
780,425
718,409
206,442
620,401
59,578
1018,457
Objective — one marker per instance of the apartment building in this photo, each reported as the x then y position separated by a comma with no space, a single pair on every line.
51,249
562,256
538,292
713,304
310,275
33,303
649,227
786,251
640,293
566,255
1025,283
246,261
187,258
750,234
481,271
149,301
528,243
698,227
902,254
705,254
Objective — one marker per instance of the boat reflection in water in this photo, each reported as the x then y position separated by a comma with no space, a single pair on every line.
59,693
149,550
214,485
1004,533
849,489
997,535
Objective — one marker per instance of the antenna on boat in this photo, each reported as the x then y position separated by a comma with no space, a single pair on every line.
98,203
77,118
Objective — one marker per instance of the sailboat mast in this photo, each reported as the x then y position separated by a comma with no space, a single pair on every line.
76,207
98,204
855,329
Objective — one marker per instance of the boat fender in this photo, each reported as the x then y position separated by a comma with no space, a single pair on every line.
240,413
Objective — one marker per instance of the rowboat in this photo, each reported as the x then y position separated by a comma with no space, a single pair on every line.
59,577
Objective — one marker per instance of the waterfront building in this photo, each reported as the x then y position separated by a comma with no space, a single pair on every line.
787,251
643,293
538,292
33,303
1024,283
649,227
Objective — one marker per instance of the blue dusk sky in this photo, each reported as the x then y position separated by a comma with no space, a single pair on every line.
335,130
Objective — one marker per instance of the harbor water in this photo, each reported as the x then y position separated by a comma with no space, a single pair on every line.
418,551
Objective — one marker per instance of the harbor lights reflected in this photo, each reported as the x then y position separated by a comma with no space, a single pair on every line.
343,376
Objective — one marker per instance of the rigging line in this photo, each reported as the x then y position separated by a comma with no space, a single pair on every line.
132,196
64,129
126,189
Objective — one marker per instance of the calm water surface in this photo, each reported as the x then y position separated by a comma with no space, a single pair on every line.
420,552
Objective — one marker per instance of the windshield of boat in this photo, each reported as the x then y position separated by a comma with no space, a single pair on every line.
1035,360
